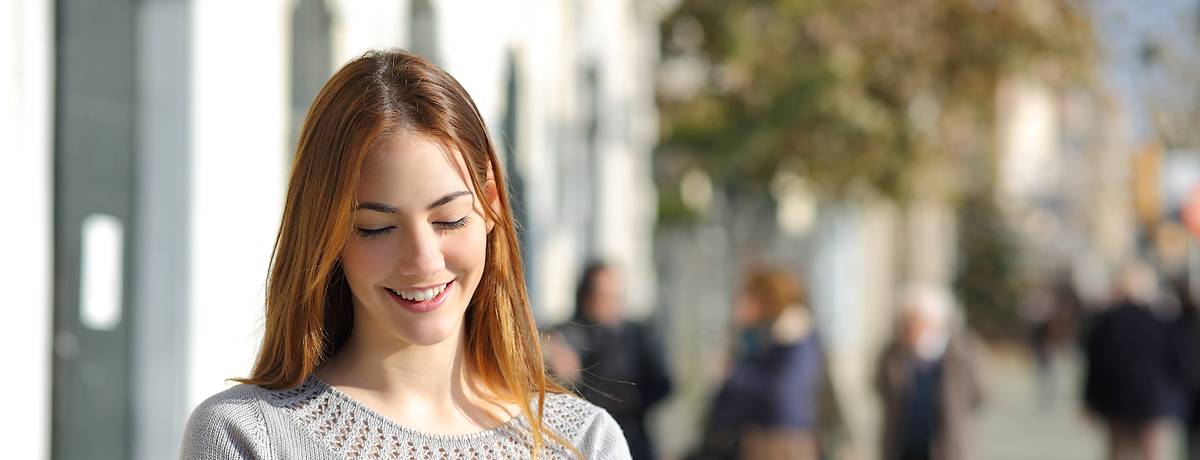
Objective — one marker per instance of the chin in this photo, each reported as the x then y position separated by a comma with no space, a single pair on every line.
426,338
427,332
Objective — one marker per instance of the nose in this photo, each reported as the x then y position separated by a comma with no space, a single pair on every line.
420,254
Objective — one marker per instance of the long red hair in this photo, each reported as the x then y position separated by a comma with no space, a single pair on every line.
309,311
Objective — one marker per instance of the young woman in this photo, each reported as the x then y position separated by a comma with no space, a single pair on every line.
397,322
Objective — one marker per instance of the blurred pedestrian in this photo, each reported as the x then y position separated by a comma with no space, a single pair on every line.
612,362
1052,309
928,380
770,404
1136,374
1186,338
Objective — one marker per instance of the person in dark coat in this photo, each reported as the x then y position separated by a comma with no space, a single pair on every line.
1137,369
612,362
1186,333
928,379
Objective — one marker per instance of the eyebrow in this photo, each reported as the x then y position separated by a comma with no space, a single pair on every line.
380,207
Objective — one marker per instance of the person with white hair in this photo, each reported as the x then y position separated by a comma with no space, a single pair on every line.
928,379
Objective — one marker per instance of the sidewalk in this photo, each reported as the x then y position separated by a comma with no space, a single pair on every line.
1017,426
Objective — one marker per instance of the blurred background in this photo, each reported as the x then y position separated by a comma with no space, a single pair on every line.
1025,167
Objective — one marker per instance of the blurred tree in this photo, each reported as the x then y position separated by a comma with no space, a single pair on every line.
987,281
848,93
1168,87
896,98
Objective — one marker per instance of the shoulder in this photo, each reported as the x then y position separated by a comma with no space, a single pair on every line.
967,342
239,396
229,424
892,352
573,329
636,327
641,330
586,426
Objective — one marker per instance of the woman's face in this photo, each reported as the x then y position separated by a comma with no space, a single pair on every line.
605,305
419,242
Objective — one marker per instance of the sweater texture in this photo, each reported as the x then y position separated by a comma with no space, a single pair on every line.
316,421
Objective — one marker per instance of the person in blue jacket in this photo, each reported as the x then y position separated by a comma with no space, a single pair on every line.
769,404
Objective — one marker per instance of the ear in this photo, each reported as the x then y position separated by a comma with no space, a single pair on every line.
491,197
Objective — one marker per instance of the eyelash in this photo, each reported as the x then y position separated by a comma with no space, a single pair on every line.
367,233
449,226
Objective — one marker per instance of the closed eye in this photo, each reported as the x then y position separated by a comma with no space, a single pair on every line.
447,226
368,233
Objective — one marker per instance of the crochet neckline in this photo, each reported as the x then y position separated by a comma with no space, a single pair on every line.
513,424
351,430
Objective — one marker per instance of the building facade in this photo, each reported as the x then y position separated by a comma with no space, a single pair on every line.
151,146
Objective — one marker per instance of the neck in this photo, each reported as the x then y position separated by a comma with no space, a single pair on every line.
417,384
406,373
609,320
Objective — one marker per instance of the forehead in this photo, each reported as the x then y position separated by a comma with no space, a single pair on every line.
411,167
606,275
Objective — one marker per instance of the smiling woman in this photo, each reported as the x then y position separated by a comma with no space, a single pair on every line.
418,230
397,322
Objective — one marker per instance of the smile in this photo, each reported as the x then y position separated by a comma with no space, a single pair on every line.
421,300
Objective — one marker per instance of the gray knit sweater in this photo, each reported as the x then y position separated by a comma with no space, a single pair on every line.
316,421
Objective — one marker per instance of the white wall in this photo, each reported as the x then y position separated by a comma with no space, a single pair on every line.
160,287
239,158
360,25
26,120
1028,141
554,45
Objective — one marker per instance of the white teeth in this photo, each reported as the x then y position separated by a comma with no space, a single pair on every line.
420,295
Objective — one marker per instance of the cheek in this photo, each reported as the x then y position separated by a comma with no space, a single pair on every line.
465,251
363,263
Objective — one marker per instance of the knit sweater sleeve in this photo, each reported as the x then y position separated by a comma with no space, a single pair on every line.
602,438
228,425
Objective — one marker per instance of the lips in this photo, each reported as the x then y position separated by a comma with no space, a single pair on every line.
421,306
